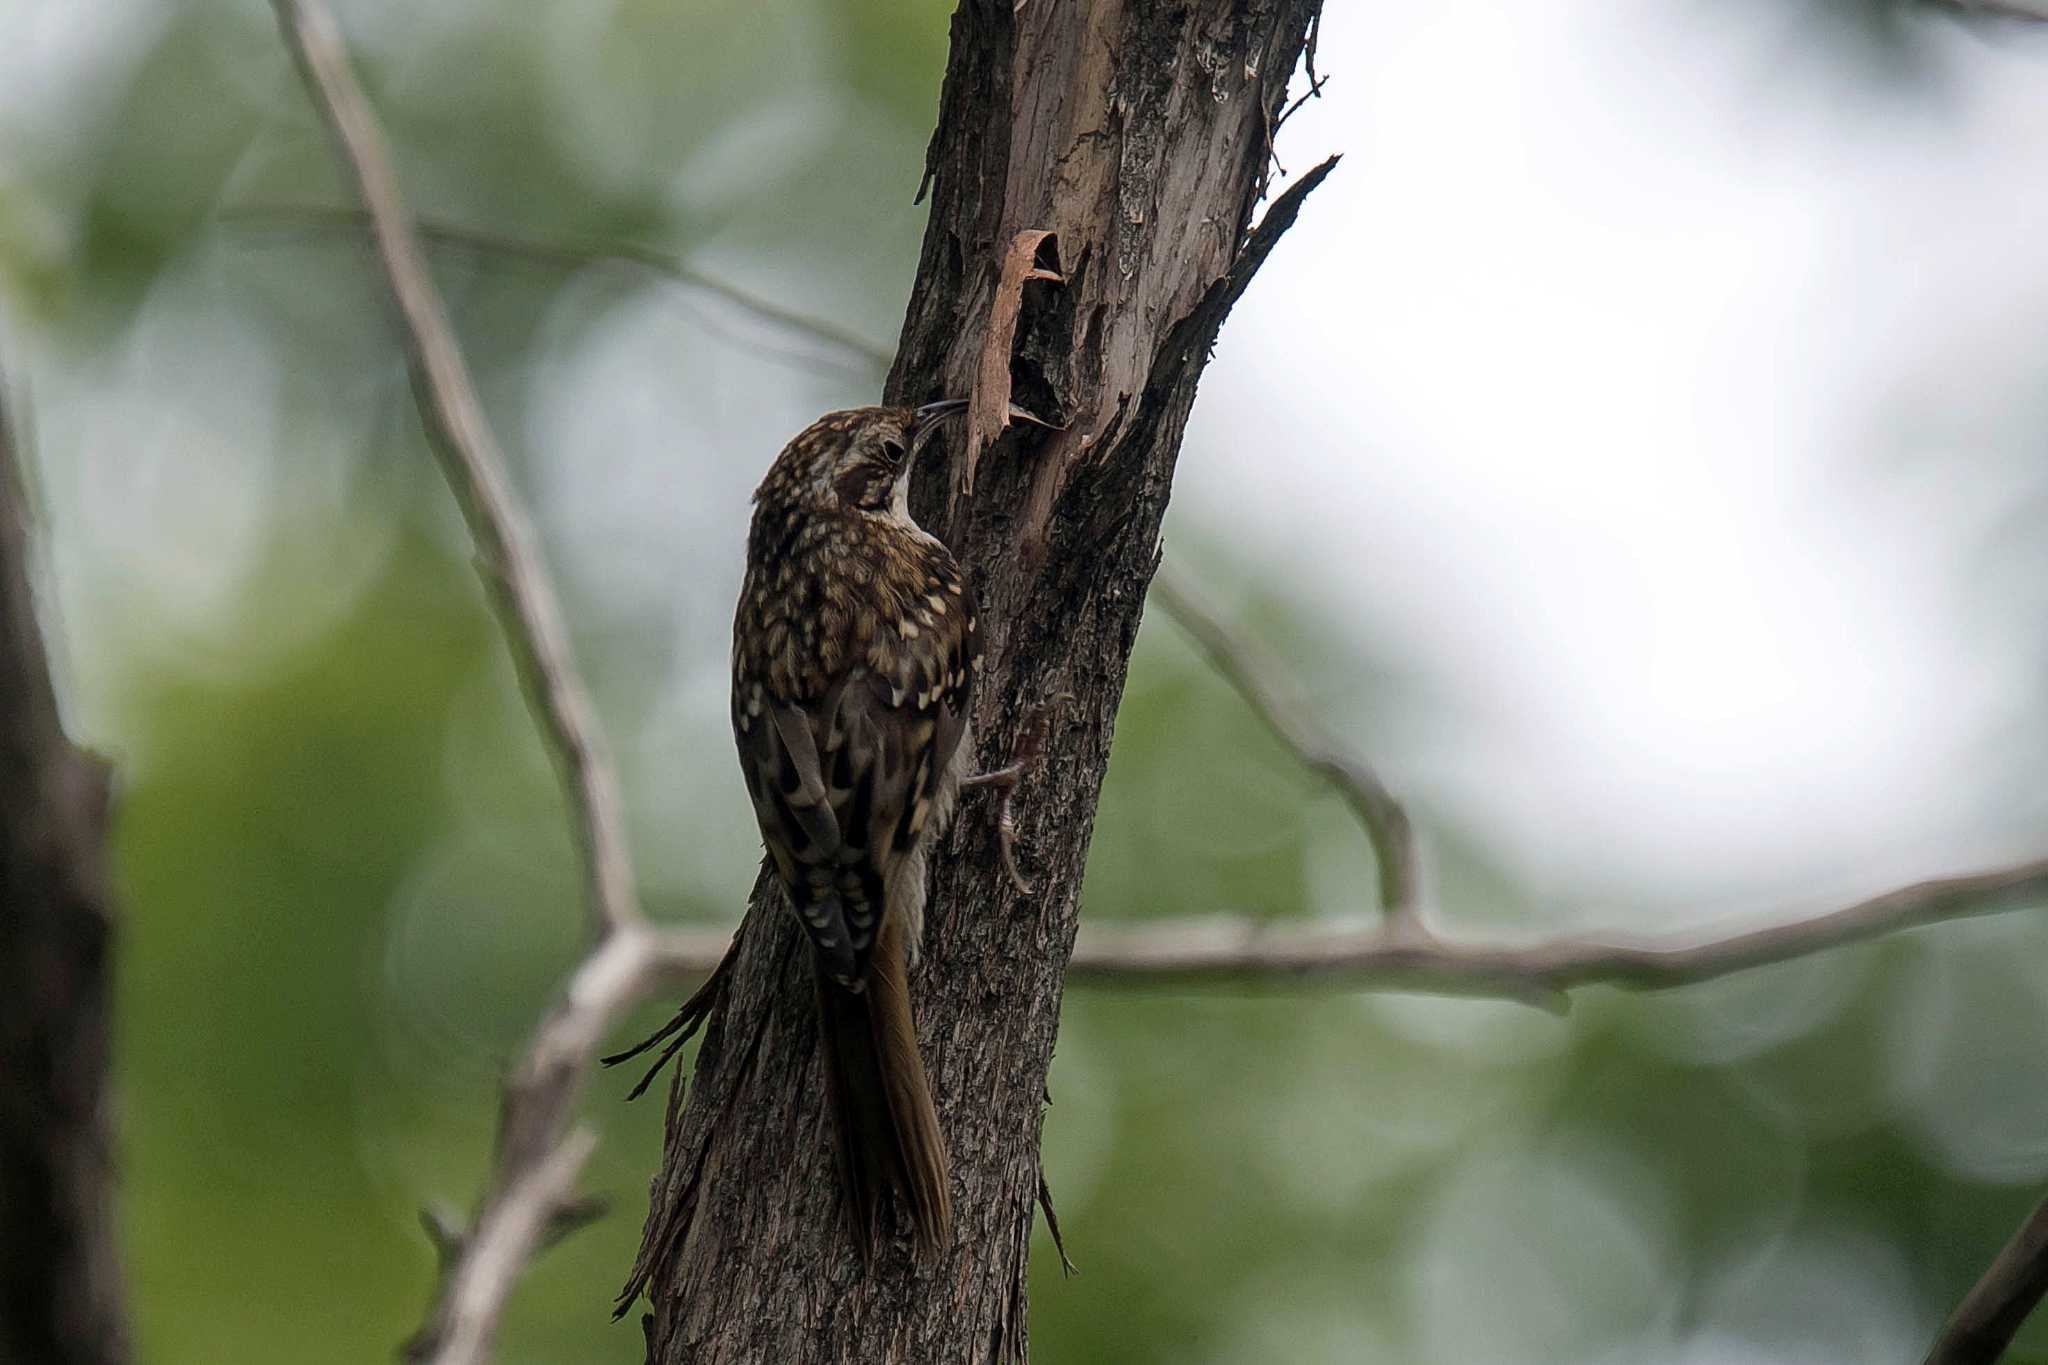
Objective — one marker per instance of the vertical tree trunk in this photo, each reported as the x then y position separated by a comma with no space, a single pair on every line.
1138,132
60,1288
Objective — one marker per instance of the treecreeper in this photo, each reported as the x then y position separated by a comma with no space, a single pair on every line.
854,653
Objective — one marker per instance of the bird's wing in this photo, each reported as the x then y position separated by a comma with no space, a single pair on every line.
801,816
921,682
844,784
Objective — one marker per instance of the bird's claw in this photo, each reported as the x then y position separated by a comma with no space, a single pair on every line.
1030,742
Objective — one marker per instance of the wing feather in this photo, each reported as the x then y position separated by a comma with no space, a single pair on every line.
844,782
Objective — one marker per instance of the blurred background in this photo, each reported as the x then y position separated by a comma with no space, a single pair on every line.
1638,447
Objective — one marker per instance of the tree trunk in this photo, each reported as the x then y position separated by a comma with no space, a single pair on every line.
1138,133
60,1289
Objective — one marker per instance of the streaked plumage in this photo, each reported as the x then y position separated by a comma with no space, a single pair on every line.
854,653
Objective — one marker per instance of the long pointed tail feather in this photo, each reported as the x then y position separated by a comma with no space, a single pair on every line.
887,1130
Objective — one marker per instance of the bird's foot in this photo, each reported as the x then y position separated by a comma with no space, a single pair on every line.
1006,779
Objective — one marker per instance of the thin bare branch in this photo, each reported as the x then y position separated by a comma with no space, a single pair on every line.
1227,947
1271,694
530,1193
508,553
1989,1316
868,355
530,1199
2027,11
1240,950
490,1260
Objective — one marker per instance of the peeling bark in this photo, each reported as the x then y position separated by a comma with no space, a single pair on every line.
1137,132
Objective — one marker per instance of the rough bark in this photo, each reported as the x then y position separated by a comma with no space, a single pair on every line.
60,1286
1138,132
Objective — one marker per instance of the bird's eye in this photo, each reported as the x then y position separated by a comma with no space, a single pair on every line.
892,450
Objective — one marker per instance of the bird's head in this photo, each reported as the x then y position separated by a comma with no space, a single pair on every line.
856,461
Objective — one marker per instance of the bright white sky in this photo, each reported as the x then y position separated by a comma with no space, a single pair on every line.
1650,386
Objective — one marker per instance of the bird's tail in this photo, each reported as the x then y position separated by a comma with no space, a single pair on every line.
886,1127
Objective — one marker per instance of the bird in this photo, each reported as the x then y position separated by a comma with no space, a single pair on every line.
854,654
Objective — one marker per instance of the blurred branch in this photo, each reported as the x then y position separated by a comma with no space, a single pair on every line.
1989,1316
1226,947
445,1229
60,1279
531,1187
1271,694
871,358
1400,952
531,1201
508,554
2002,9
1223,949
485,1264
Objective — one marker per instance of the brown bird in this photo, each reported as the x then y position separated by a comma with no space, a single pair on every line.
853,659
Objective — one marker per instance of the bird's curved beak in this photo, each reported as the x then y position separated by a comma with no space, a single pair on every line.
931,414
